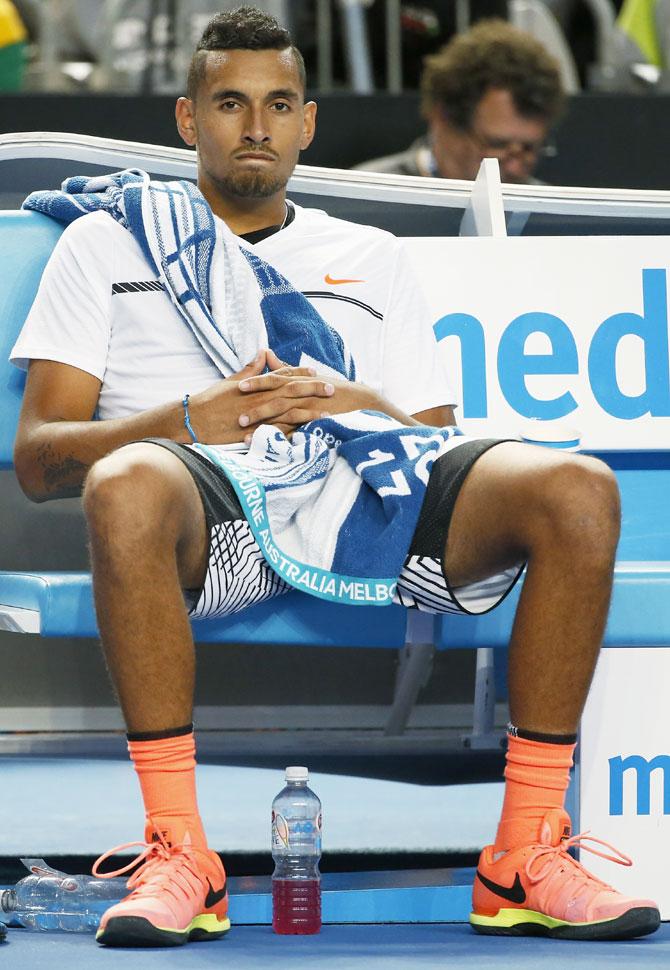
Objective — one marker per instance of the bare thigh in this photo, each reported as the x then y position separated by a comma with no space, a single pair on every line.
513,497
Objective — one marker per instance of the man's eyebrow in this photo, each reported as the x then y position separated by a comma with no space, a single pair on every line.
229,93
288,94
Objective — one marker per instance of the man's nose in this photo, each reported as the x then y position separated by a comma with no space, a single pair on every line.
256,129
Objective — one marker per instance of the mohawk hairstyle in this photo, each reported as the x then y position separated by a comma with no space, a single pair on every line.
245,28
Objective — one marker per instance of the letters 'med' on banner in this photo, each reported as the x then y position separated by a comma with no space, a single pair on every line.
554,327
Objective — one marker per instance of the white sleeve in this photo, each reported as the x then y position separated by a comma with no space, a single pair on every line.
413,374
69,320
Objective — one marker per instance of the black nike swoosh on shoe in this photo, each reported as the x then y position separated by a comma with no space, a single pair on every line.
514,893
215,896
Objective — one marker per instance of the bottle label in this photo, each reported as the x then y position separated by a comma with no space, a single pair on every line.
284,832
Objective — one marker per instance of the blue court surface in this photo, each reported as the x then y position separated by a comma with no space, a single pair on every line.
390,947
67,806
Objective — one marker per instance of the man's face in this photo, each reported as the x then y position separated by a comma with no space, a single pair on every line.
248,121
497,131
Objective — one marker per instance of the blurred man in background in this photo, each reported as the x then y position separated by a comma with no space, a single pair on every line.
493,91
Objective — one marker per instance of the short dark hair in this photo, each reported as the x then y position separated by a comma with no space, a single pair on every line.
245,28
492,54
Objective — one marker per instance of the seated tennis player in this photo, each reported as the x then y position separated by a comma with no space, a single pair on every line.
247,394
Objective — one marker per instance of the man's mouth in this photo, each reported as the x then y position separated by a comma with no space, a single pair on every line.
256,156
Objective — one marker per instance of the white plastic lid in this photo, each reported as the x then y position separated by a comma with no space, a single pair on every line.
556,434
297,773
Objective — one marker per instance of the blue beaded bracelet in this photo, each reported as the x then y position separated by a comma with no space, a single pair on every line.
187,419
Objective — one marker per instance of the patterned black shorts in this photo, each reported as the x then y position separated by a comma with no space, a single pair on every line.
238,574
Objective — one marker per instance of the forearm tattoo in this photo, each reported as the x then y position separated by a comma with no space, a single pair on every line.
63,475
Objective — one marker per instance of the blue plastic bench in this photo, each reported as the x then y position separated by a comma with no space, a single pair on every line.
59,604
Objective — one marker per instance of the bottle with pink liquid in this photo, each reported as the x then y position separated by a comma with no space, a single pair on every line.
296,850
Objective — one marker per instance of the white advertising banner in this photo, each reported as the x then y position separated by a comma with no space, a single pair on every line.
554,328
625,769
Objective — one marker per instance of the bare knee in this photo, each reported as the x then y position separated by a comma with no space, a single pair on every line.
133,501
578,508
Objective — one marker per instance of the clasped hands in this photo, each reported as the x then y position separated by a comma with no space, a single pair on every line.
286,397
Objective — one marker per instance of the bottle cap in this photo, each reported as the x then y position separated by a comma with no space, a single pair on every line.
297,773
7,901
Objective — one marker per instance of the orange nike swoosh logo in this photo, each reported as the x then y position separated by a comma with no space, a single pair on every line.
329,279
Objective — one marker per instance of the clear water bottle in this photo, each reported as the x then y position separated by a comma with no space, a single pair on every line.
51,900
296,850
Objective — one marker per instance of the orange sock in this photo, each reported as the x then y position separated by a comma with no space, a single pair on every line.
537,775
166,769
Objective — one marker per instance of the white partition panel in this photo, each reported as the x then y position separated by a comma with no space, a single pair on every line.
485,214
625,770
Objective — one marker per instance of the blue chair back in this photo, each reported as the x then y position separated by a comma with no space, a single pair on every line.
26,242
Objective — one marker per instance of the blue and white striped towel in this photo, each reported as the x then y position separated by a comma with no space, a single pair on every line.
335,508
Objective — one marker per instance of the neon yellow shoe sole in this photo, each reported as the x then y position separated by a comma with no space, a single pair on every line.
635,922
139,931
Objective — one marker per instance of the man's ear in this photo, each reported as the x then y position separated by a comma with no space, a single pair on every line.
185,115
308,124
437,120
441,125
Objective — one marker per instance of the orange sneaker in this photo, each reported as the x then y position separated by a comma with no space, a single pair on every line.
541,890
178,894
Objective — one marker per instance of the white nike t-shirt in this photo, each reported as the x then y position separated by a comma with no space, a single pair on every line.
100,308
360,281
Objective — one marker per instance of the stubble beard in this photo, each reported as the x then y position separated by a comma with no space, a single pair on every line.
250,185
